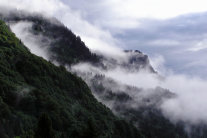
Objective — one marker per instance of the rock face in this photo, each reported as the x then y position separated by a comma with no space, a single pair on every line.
137,60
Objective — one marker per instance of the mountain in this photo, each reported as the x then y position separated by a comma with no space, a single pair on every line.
125,101
39,99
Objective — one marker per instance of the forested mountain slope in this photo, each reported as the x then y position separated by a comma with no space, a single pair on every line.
38,99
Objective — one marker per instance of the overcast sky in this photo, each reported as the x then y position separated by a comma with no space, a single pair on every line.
174,31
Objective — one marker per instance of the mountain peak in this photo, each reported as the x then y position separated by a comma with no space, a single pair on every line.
132,51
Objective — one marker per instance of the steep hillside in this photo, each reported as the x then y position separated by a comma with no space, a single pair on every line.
38,99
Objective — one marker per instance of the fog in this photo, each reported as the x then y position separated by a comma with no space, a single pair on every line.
37,44
188,106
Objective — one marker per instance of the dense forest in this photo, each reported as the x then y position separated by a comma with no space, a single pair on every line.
40,100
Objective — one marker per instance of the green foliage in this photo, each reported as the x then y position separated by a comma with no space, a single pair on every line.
31,86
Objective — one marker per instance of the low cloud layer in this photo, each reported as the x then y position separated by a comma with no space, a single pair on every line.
126,14
188,106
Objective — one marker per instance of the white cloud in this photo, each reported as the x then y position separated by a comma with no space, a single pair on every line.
44,6
199,46
126,14
142,79
190,105
155,9
164,42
